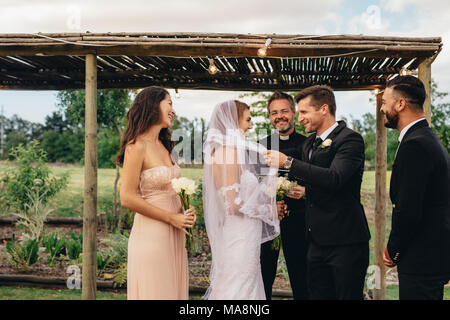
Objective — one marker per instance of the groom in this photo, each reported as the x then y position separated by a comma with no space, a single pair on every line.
332,169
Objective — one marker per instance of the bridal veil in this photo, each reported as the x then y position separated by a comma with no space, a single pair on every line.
236,186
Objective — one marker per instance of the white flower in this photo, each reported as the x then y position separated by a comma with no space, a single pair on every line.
185,184
326,143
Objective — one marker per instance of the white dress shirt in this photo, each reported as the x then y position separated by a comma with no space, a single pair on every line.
403,132
327,132
405,129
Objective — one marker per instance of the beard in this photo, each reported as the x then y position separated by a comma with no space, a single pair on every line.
284,129
392,120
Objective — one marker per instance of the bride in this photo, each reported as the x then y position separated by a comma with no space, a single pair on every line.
239,205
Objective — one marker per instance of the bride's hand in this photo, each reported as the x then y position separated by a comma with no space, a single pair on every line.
296,192
281,209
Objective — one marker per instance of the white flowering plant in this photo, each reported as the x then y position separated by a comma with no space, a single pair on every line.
185,188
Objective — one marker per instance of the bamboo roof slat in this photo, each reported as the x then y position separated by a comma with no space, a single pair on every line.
56,61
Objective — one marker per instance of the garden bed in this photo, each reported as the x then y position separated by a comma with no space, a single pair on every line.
40,274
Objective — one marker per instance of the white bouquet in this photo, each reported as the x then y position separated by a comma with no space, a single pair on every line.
284,186
185,187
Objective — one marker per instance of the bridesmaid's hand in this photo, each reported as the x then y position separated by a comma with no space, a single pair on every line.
191,211
182,221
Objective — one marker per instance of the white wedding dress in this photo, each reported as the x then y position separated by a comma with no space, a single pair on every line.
239,276
239,212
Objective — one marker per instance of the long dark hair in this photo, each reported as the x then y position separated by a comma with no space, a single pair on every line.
144,113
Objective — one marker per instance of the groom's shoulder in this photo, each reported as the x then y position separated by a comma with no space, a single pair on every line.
347,133
349,138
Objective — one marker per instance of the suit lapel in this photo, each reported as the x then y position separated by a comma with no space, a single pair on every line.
418,125
393,184
307,146
332,135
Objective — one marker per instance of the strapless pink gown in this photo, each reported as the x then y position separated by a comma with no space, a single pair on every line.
157,257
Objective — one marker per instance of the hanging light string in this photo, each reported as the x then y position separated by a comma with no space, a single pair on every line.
71,42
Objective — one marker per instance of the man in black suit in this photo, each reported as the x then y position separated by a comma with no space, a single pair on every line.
419,243
281,108
332,169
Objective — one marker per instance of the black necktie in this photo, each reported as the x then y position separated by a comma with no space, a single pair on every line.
315,145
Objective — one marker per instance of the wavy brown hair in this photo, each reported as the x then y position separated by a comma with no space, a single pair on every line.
241,107
144,113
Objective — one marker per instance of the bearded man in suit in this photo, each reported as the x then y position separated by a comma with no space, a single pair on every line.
419,242
332,166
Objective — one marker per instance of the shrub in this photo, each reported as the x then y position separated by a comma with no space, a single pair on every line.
29,171
32,221
23,255
74,246
118,248
121,273
103,260
55,246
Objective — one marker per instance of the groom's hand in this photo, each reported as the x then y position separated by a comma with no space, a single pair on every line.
274,158
296,192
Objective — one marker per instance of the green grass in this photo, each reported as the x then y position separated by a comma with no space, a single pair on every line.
368,183
69,202
19,293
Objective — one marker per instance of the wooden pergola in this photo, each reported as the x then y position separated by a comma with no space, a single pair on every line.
45,61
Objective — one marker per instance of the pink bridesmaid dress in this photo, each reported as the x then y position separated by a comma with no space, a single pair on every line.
157,257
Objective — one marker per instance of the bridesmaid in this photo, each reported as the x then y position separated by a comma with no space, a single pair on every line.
157,258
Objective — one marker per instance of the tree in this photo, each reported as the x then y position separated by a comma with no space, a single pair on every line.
440,115
112,106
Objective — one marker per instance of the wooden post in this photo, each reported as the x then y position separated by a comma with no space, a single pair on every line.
425,77
89,274
380,201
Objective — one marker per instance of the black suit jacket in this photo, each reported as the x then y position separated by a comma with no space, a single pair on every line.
293,148
333,177
420,193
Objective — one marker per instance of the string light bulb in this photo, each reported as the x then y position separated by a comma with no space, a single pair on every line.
212,67
177,94
405,72
262,52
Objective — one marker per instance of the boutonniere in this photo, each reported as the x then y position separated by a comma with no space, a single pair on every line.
326,143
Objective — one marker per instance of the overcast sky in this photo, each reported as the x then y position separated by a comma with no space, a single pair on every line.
412,18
